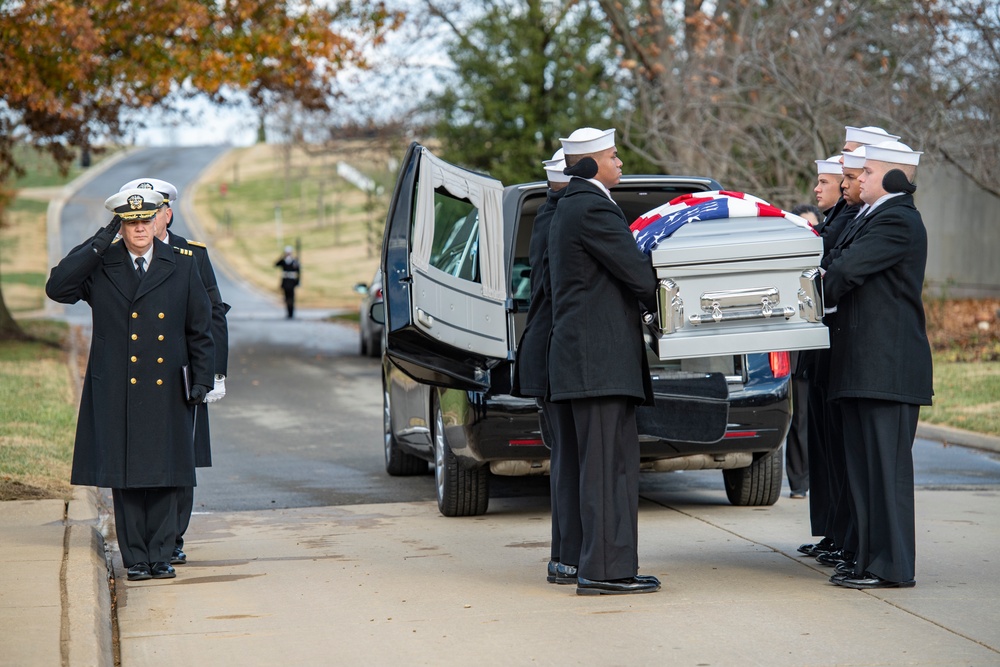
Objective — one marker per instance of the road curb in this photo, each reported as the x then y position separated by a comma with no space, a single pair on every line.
956,436
87,601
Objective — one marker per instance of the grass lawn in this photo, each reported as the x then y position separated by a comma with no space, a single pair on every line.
967,395
37,414
256,200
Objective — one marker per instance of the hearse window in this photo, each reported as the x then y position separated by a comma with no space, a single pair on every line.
455,249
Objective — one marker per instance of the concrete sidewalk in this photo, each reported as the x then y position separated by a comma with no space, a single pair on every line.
55,605
400,584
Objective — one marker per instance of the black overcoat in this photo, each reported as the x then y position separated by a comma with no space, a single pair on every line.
531,376
135,427
878,342
220,335
598,276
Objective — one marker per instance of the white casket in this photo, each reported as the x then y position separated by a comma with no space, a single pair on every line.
738,286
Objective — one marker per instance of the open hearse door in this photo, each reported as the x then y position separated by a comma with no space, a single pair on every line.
445,282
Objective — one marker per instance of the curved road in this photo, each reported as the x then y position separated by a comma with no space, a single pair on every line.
301,424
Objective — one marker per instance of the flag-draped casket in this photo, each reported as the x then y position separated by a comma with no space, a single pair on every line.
736,276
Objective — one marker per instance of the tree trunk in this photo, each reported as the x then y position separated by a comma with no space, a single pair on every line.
9,330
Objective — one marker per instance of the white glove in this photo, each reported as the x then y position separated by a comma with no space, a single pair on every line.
218,391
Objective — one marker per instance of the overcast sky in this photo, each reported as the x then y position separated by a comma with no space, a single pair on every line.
405,70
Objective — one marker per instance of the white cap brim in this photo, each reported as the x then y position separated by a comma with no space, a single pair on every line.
831,165
587,140
894,153
868,135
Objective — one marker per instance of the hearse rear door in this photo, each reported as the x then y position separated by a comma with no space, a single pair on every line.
445,279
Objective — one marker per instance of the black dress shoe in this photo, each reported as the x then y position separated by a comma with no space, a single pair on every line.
647,584
565,574
846,567
139,572
550,573
833,558
869,580
826,544
178,557
161,570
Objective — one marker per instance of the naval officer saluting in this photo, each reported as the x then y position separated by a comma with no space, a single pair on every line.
151,318
220,334
597,358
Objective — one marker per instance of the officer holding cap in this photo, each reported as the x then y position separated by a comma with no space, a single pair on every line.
220,334
597,359
880,367
151,330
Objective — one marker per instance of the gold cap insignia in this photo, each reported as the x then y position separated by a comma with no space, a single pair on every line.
135,202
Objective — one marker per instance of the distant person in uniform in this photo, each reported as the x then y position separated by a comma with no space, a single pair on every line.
290,269
597,358
151,362
531,378
220,334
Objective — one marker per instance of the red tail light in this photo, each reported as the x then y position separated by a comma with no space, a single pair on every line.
781,366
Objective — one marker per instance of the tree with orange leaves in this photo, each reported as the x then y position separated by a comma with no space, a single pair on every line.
71,70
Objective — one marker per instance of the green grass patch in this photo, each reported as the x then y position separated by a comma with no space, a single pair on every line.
966,395
29,279
23,205
37,411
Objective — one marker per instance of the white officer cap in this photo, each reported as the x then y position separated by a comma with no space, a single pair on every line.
289,249
855,159
554,168
587,140
831,165
894,152
868,135
166,189
134,203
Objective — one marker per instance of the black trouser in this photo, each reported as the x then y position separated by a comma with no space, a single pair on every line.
797,443
145,523
822,486
289,300
879,438
564,482
185,505
609,486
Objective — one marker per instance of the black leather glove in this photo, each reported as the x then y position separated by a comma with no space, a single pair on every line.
198,393
103,238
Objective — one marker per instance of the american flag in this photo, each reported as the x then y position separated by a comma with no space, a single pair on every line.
654,226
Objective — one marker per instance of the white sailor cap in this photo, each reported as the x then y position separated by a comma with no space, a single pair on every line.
554,168
868,135
894,152
166,189
587,140
855,159
831,165
134,203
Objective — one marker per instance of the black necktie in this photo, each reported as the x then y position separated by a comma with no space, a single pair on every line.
139,261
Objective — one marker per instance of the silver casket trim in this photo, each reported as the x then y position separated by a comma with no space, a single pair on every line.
738,286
